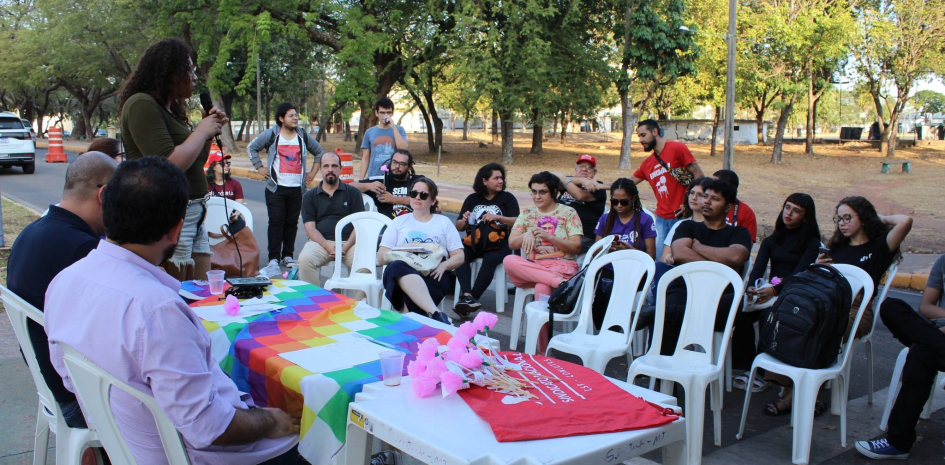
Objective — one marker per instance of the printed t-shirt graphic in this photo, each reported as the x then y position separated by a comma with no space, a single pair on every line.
669,193
288,165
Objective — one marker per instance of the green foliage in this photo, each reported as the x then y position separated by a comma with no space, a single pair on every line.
929,101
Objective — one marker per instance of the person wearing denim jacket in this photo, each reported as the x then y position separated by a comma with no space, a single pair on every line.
284,193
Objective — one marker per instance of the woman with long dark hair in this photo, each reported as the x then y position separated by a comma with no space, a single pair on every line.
486,216
790,249
691,210
868,240
152,109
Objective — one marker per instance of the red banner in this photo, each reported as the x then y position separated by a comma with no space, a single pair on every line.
571,400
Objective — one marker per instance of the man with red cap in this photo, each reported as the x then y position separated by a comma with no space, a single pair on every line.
585,195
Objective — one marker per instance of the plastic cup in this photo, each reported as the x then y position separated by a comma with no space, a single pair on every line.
392,367
215,277
543,299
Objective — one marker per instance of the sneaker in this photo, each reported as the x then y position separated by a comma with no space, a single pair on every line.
387,457
289,262
880,449
466,305
272,270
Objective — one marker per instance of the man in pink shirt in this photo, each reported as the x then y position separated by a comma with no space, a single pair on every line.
121,310
670,194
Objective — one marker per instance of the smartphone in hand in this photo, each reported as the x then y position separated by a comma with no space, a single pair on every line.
825,252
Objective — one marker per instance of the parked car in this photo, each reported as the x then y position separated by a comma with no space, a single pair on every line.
101,133
16,144
28,125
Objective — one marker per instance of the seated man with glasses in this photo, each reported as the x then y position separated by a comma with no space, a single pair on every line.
382,140
586,195
389,191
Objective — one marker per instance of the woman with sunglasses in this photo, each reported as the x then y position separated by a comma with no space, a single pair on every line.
219,182
406,288
549,236
631,227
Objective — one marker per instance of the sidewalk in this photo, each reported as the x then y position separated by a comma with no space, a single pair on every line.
913,271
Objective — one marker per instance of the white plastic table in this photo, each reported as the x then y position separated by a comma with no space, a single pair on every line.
437,430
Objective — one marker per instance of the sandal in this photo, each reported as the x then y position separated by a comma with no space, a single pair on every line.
777,408
757,385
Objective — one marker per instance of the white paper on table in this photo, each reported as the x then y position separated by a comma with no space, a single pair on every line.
217,314
259,300
345,353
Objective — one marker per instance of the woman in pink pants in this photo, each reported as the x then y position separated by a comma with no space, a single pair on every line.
549,235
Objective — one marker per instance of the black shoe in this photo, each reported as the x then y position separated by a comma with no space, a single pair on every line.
466,305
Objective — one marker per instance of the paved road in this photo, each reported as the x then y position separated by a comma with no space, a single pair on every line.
766,437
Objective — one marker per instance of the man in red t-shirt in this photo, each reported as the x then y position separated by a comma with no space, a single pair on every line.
741,214
670,194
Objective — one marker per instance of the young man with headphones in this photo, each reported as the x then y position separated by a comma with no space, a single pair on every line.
670,161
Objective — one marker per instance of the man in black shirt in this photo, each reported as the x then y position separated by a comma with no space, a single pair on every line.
322,208
51,244
711,240
390,191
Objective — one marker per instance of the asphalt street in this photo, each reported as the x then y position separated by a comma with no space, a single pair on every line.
44,187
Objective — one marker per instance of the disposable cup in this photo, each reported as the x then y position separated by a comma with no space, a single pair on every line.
216,281
543,299
392,367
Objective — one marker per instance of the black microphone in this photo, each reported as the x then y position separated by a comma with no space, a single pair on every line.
207,105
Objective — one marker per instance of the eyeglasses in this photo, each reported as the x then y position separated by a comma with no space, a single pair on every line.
843,219
402,164
422,195
621,202
539,192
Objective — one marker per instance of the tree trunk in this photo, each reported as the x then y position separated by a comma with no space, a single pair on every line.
759,122
537,132
811,101
779,135
434,117
466,125
629,120
495,126
226,136
715,129
508,125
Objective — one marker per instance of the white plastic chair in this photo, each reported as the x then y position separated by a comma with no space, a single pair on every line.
867,338
807,382
596,350
92,385
695,370
895,384
70,442
218,215
533,324
369,205
363,274
726,375
498,283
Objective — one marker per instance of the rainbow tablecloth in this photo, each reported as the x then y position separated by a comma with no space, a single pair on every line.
249,353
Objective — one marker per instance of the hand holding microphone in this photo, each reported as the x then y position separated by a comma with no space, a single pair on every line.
212,123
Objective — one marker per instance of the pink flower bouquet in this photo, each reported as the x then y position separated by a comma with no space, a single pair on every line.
463,362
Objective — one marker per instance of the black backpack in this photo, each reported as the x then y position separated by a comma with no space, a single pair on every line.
806,325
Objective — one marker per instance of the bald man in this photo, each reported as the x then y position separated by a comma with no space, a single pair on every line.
66,234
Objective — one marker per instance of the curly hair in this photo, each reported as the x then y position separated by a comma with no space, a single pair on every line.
485,172
210,175
872,225
162,72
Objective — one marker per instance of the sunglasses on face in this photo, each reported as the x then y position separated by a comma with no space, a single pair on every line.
621,202
422,195
844,219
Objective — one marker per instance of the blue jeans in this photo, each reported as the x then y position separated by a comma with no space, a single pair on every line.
662,229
